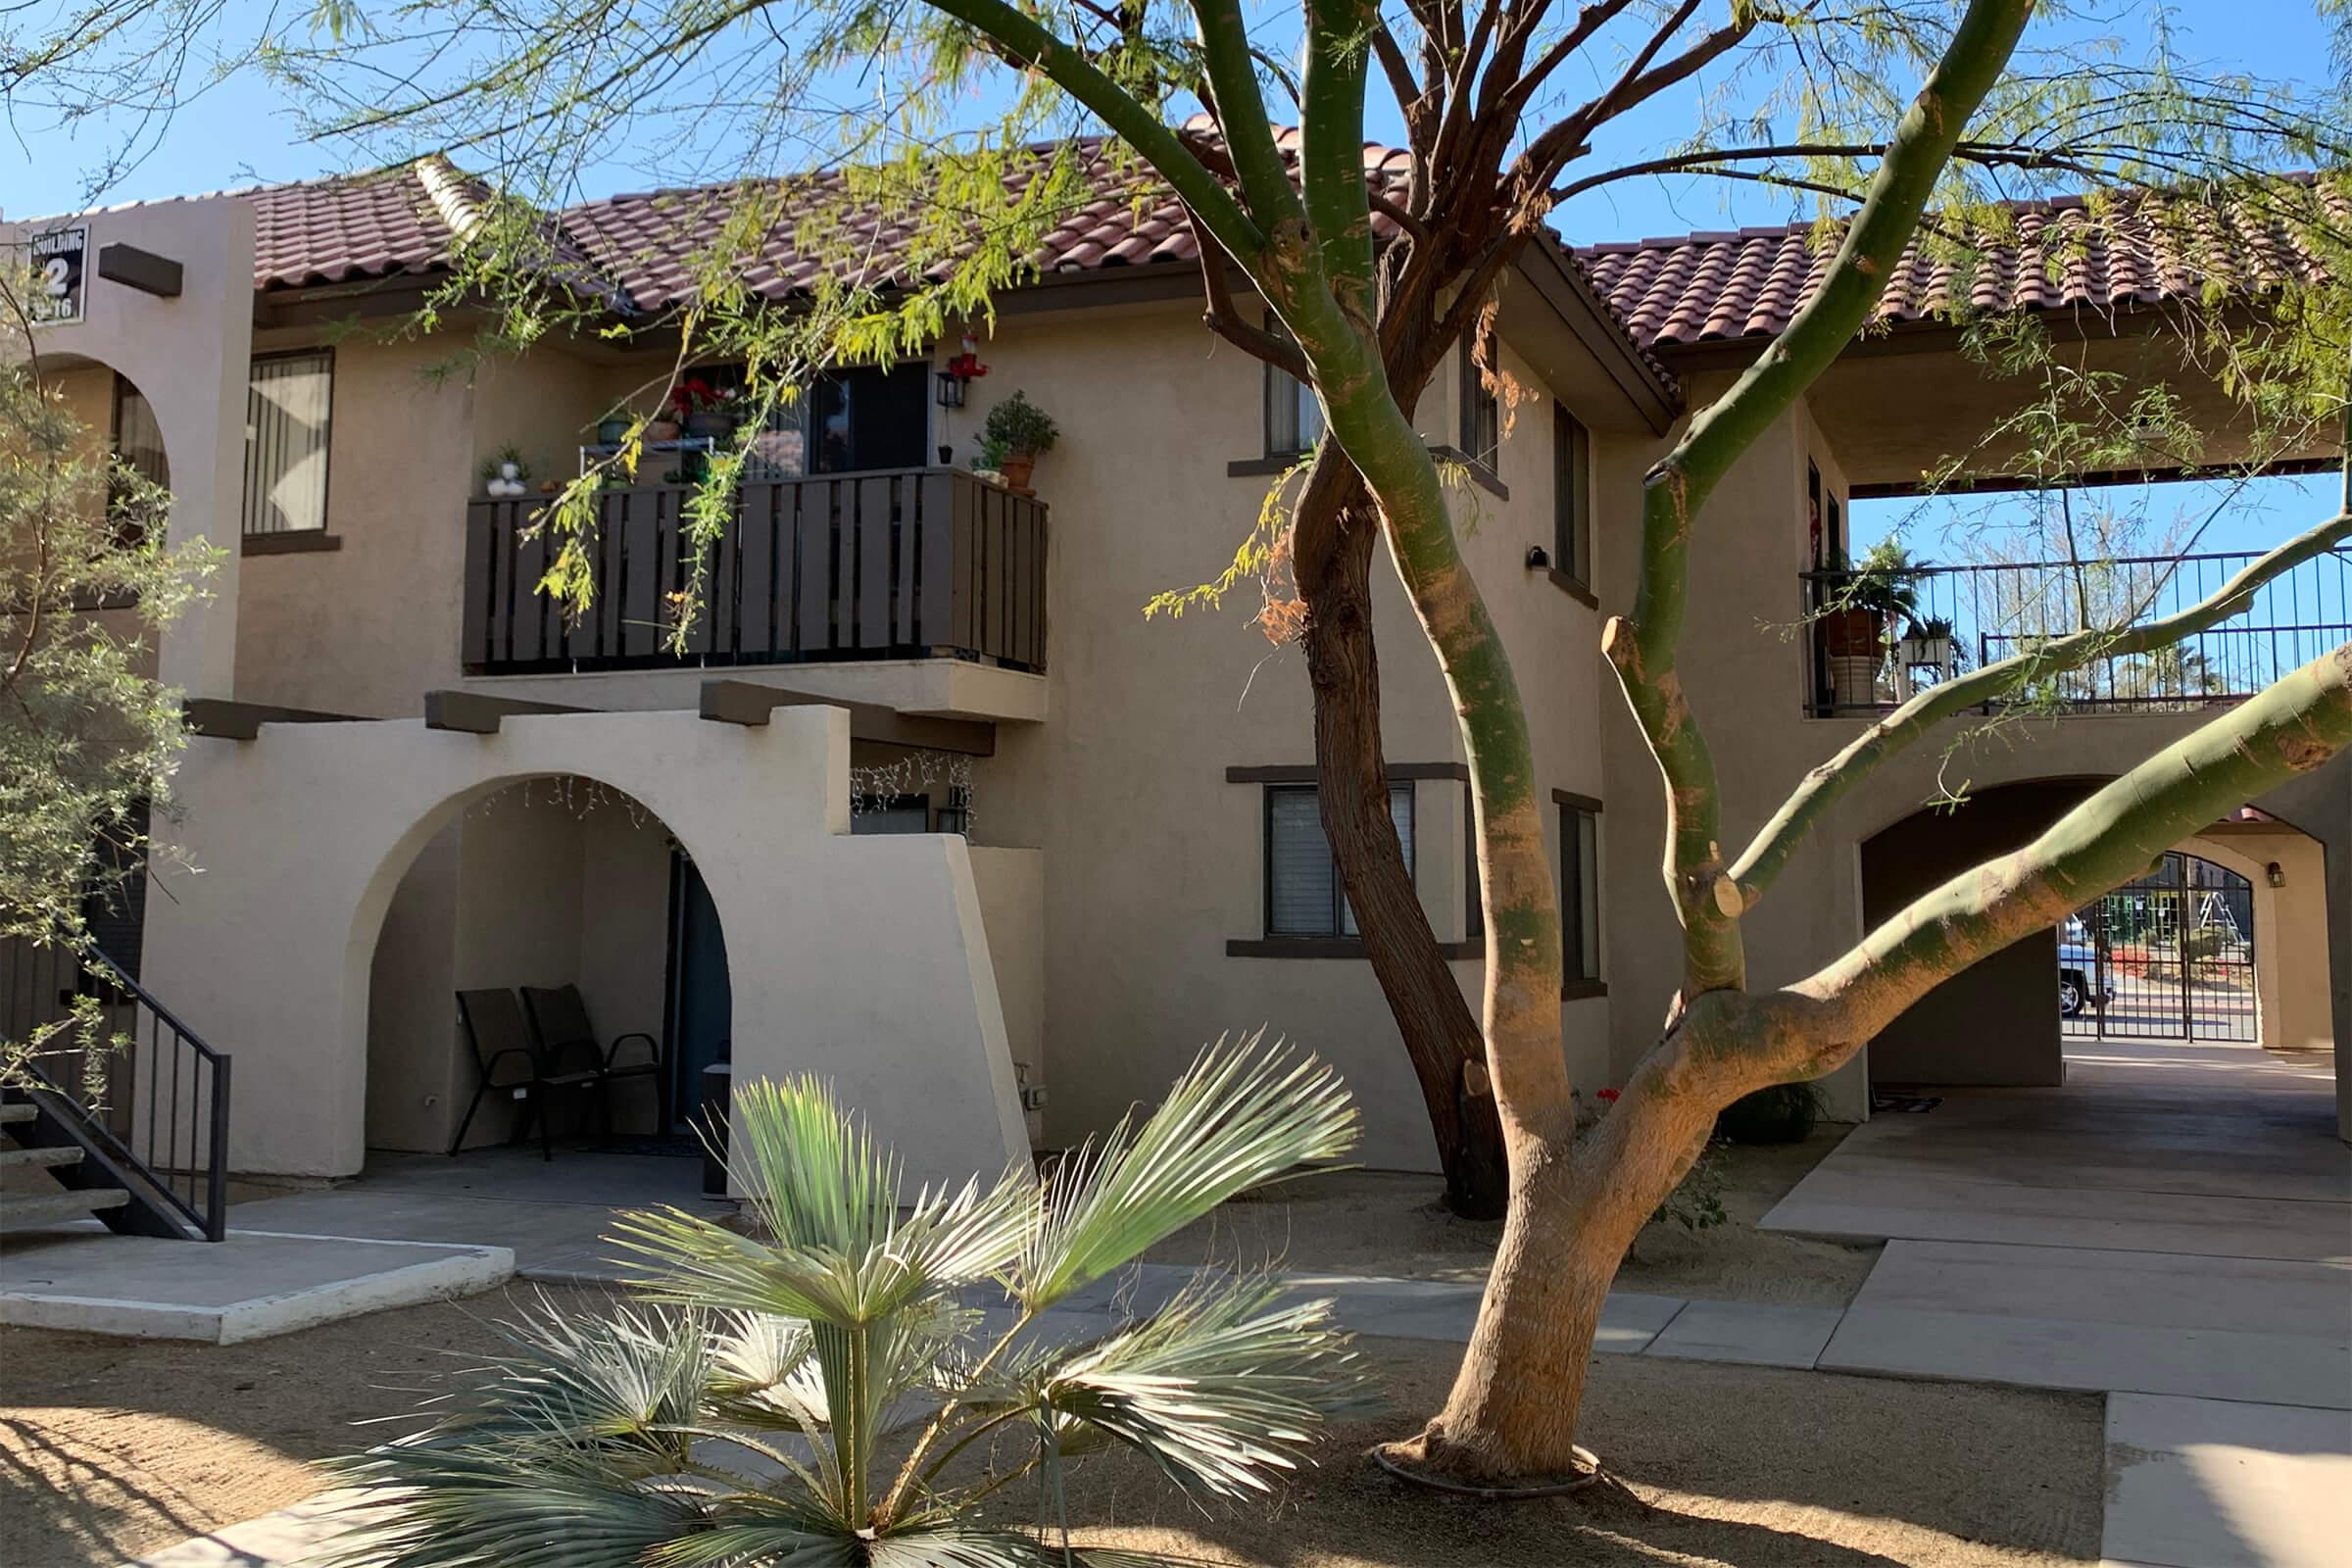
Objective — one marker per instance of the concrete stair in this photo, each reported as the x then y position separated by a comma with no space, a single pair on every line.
26,1211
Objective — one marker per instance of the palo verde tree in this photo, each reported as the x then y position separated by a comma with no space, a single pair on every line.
1902,118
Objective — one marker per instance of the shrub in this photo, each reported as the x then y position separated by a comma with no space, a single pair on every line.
844,1356
1780,1114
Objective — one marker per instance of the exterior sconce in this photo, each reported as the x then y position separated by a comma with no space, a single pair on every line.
1539,558
951,390
2273,875
965,366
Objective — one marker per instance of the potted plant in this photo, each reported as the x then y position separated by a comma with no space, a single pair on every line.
1016,434
1928,644
1856,624
614,429
1780,1114
507,475
709,413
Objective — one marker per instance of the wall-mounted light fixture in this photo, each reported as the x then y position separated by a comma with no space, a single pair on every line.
2273,875
951,390
1539,558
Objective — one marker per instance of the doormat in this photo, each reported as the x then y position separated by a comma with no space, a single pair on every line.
1881,1104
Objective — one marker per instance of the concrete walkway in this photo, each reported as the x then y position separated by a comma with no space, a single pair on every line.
2172,1227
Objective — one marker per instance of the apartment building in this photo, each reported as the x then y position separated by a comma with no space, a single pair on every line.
928,806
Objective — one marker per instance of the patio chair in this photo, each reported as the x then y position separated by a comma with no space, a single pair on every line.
512,1063
568,1039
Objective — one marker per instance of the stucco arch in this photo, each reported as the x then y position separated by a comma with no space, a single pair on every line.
863,959
189,354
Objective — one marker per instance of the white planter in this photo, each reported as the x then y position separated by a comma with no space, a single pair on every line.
1928,652
1854,680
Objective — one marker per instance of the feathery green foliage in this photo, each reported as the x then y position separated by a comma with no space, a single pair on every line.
89,738
836,1390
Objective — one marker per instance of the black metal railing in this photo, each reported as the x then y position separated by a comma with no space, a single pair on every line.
899,563
142,1089
1961,618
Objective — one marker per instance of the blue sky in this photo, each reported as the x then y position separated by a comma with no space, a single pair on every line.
242,130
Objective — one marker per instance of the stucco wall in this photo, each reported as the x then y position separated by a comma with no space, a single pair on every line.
1152,859
1744,669
307,833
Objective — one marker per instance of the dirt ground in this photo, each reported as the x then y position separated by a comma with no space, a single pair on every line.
113,1447
1730,1467
1380,1222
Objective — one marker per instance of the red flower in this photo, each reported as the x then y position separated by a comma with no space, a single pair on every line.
1607,1097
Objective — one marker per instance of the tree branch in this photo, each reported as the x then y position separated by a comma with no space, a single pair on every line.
1138,127
1331,152
2300,723
1761,863
1227,322
1642,648
1242,109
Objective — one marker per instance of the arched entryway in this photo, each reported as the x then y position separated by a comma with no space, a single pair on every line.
544,886
2224,940
861,959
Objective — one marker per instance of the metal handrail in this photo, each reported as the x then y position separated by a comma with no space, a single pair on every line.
197,1191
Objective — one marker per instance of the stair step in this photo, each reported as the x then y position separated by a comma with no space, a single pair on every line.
21,1212
18,1111
51,1158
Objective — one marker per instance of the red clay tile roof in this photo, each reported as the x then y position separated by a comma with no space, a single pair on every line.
648,242
340,231
1707,288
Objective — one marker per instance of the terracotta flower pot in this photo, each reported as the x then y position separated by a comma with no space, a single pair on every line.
661,429
1853,633
1016,468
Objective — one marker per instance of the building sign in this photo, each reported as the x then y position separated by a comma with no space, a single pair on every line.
59,270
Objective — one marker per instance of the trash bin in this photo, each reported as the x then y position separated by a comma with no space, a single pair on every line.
718,1088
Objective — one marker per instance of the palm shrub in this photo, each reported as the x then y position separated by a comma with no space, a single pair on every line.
848,1387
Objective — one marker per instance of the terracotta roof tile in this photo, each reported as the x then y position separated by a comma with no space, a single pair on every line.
1705,288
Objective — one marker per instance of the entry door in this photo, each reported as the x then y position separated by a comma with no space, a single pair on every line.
701,999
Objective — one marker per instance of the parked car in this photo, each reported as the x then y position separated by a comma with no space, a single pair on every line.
2077,962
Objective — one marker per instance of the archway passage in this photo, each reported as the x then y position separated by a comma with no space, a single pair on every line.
561,919
2169,955
860,960
2226,940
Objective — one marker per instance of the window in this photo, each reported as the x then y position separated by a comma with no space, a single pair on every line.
890,813
289,400
139,443
1293,416
1580,893
1572,496
1482,413
1303,896
848,421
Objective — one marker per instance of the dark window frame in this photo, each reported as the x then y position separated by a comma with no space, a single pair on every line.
1337,930
1574,981
1472,946
1481,413
326,474
1273,384
1572,503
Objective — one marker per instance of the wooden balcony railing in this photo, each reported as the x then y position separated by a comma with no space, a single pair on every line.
901,565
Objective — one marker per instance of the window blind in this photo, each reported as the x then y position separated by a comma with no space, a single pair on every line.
286,410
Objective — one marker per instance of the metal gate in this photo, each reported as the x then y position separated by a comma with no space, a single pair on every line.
2169,957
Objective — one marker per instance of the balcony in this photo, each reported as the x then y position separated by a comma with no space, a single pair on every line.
886,565
1963,618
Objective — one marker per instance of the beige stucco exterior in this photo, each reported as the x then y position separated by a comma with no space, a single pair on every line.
1085,932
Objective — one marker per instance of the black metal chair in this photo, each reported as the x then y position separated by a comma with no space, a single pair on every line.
512,1063
568,1040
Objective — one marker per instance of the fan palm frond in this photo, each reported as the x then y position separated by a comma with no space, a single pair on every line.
835,1376
1221,1388
1244,1115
